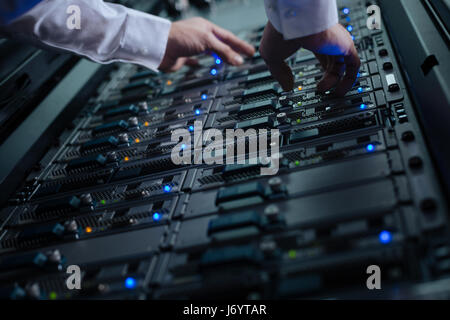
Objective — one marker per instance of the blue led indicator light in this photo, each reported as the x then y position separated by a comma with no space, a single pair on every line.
348,19
346,10
350,28
156,216
363,106
385,237
130,283
167,188
370,148
218,61
360,89
191,128
183,146
204,96
213,72
197,111
353,37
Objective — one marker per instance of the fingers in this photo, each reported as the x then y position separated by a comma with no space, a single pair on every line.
275,50
192,62
225,51
176,65
230,39
283,74
334,69
352,64
179,63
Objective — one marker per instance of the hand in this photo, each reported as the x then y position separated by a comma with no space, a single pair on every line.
334,48
197,35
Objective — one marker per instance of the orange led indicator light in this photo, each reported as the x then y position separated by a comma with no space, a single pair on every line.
126,158
88,229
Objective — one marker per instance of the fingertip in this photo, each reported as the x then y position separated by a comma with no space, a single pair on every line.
321,87
340,93
283,74
287,81
327,82
238,60
288,87
251,52
342,89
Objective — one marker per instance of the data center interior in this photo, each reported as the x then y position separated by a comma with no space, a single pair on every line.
87,177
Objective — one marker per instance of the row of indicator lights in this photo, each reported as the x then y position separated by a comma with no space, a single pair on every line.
218,61
346,11
166,188
369,148
350,29
156,217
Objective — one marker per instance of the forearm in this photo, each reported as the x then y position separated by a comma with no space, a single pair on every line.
300,18
108,32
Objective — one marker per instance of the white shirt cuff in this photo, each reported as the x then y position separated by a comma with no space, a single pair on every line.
144,40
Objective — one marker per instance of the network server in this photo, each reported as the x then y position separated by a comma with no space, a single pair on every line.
356,186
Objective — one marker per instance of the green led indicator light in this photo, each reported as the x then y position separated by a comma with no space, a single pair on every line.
297,163
292,254
103,201
299,120
299,103
52,295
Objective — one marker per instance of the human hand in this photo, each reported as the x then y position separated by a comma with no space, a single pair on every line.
196,35
334,48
